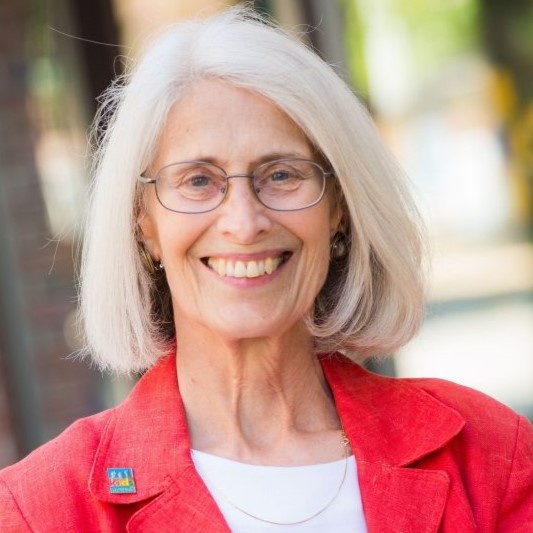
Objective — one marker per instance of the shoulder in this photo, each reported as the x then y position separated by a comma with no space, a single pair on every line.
72,452
412,410
484,448
43,480
494,451
73,448
475,407
66,479
490,427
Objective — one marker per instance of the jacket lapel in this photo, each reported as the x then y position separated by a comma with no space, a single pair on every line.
402,499
185,507
391,424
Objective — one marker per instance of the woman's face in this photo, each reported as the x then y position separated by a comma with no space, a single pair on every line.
237,129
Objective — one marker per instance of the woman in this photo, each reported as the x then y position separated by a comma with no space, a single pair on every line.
247,226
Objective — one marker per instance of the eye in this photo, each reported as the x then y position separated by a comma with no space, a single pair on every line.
281,175
192,180
201,180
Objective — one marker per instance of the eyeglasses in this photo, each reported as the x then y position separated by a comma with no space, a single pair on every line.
198,186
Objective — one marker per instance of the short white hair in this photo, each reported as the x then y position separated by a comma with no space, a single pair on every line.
373,300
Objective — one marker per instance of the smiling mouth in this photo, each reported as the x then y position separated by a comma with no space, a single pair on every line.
245,269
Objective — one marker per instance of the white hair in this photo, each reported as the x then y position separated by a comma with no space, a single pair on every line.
372,301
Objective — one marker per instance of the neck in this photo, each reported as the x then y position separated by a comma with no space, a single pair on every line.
261,401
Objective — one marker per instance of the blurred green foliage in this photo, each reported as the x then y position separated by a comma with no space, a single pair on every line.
436,30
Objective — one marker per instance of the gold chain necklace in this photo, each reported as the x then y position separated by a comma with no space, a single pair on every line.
345,444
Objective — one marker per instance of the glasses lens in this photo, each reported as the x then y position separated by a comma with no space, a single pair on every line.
192,187
289,184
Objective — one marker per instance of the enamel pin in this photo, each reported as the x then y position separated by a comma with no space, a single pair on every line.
121,481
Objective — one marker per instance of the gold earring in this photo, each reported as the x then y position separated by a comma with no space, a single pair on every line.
147,260
339,246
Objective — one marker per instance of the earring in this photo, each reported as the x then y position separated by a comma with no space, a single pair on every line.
147,259
339,247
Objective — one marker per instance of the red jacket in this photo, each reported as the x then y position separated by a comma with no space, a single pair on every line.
432,456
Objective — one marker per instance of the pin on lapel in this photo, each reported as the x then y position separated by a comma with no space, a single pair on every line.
121,481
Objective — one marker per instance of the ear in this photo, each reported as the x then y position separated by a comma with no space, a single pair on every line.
147,233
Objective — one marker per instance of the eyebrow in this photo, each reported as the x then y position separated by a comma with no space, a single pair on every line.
271,156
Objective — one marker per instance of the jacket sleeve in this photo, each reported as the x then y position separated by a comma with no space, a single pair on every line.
11,519
516,513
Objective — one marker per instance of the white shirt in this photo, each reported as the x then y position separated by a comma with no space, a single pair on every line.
284,494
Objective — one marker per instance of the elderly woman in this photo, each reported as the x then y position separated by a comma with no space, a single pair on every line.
250,241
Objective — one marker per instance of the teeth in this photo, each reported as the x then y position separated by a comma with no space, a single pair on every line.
269,265
230,269
221,267
251,270
240,270
244,269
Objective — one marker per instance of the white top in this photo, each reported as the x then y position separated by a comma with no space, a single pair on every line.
284,494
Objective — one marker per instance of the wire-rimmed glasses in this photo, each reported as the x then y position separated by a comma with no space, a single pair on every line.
288,184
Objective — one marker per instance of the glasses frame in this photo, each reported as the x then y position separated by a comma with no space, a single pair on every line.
250,175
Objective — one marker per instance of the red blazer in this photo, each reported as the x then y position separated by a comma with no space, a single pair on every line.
432,456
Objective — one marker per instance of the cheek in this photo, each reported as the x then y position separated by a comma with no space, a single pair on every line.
316,245
175,243
319,231
175,233
323,234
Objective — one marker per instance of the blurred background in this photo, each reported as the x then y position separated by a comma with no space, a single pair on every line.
450,85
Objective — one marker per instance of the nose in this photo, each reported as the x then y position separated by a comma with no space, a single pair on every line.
241,216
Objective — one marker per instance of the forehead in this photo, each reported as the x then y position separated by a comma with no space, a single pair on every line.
218,121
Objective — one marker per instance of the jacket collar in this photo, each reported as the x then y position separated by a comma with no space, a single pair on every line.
384,420
388,421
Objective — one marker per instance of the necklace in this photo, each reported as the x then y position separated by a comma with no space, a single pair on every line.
344,444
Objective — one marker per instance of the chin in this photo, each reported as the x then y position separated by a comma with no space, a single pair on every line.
249,327
247,333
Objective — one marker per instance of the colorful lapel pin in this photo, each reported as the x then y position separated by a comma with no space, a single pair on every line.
121,481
